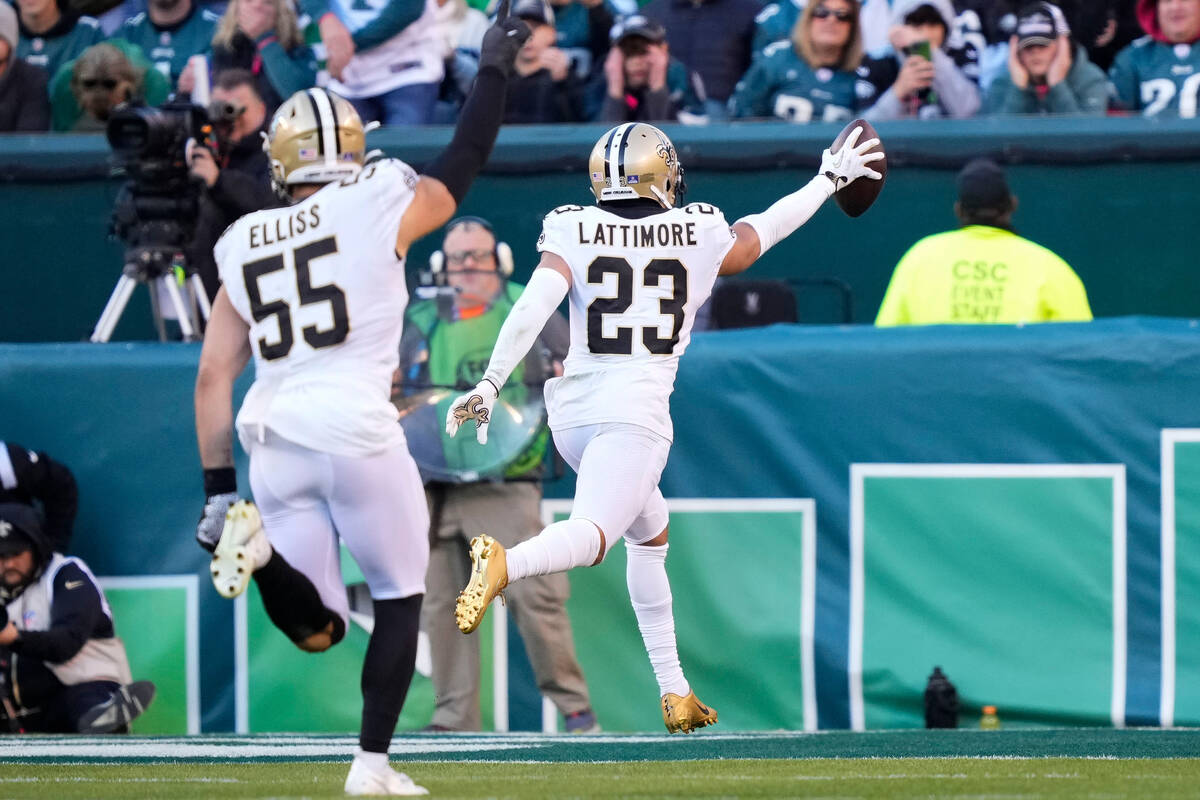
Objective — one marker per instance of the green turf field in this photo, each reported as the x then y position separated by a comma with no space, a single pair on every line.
1098,764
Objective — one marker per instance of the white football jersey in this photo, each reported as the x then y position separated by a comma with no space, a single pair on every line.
323,291
636,284
414,55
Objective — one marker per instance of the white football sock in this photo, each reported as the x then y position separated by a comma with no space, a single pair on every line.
558,548
376,761
650,594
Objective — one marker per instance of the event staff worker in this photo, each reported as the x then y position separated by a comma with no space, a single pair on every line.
983,272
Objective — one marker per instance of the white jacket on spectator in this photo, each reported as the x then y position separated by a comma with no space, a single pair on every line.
957,95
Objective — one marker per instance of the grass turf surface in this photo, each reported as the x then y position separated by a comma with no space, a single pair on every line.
1051,778
1098,764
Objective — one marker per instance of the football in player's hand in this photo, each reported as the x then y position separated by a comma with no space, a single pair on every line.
856,198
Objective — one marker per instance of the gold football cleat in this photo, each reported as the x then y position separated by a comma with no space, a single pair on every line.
686,713
489,576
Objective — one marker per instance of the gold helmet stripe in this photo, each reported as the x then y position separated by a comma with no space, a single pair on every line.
327,133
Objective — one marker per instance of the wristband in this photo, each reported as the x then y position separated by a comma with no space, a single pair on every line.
222,480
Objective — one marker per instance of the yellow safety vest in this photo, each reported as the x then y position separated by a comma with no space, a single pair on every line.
981,274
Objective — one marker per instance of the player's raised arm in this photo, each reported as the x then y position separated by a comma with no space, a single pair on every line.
446,180
226,351
758,233
546,289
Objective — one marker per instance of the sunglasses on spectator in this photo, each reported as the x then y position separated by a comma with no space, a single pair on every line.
93,83
478,256
821,12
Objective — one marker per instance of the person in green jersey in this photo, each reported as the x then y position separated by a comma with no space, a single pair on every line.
447,344
49,37
810,78
983,272
775,22
87,89
1159,74
170,32
583,28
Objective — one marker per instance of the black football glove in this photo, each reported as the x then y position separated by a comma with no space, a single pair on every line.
502,41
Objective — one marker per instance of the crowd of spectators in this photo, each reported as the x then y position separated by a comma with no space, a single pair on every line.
412,61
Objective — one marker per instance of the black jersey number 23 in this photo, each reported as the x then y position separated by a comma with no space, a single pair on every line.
621,344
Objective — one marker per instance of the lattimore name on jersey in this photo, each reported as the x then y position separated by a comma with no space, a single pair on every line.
640,234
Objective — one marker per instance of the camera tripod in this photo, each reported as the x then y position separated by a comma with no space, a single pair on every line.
187,297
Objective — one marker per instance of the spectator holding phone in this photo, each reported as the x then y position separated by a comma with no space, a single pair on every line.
922,79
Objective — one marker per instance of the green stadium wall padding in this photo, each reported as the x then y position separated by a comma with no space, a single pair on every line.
1017,504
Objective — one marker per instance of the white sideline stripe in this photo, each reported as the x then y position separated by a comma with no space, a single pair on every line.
81,779
241,751
808,575
1170,438
1114,472
191,599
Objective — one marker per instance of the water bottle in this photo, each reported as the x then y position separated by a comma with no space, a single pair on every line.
989,721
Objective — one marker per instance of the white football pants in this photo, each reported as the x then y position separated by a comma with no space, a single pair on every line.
618,466
375,504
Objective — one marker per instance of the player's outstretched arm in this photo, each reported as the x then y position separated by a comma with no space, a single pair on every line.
545,291
446,180
758,233
226,351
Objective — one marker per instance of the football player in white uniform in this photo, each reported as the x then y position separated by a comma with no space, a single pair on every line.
315,291
636,269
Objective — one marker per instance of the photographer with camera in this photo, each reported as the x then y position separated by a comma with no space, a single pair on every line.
62,667
237,177
920,79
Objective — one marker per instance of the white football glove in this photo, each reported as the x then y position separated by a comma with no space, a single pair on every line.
212,520
850,162
477,405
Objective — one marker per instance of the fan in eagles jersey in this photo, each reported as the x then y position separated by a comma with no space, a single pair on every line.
1160,73
810,77
636,269
315,291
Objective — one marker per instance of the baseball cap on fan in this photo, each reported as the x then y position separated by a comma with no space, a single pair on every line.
638,26
533,11
1035,25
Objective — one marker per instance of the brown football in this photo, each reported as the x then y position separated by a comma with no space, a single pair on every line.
856,198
